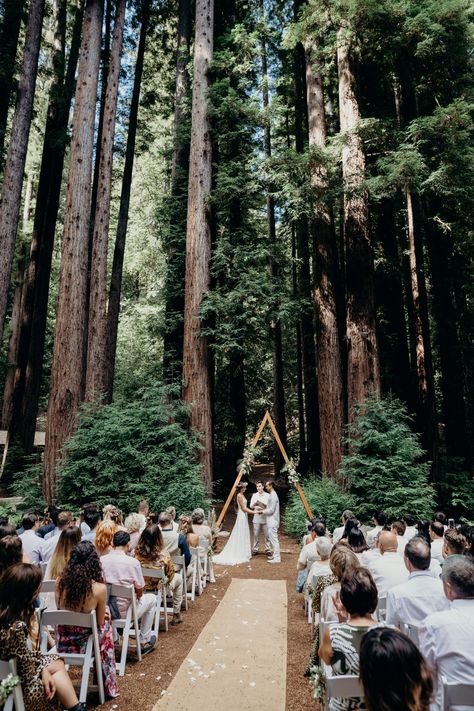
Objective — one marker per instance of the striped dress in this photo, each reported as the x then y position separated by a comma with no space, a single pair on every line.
345,642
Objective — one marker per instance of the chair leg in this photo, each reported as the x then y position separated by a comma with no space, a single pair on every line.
123,656
98,671
156,627
165,606
86,669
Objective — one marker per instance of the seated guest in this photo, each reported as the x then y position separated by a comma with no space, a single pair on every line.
422,594
337,533
7,529
437,540
51,513
440,517
81,588
423,530
368,556
186,528
357,542
175,543
43,676
153,517
11,552
399,528
454,543
380,521
309,553
389,569
114,514
151,553
143,508
200,525
92,520
68,539
88,511
320,566
172,512
121,569
341,561
468,533
104,537
32,544
65,520
351,523
341,643
410,530
447,638
134,525
394,674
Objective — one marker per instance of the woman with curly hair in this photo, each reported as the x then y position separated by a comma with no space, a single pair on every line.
151,553
186,528
104,537
43,676
81,588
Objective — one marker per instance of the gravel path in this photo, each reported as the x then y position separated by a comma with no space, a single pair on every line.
143,683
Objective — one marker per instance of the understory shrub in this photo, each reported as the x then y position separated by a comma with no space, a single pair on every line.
325,497
456,490
385,467
132,449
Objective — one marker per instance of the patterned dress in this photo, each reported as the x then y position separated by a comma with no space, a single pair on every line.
14,645
324,581
345,641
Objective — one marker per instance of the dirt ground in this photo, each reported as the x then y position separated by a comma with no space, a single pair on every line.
142,684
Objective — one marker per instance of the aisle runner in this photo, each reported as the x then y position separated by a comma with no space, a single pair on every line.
239,659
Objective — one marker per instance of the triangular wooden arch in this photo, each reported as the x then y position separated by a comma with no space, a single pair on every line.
266,420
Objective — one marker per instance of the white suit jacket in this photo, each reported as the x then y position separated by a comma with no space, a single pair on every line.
272,512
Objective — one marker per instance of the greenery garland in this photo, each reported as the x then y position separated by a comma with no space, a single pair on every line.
7,687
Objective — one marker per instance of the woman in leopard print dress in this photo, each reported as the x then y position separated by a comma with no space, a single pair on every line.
44,680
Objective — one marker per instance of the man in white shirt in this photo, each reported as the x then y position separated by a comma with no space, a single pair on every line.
422,594
437,540
411,530
398,528
447,638
65,520
259,520
337,533
380,520
309,553
389,569
32,544
272,516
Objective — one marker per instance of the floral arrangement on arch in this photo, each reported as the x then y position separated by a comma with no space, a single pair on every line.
248,459
290,470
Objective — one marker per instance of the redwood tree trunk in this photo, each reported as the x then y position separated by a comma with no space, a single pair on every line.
15,163
196,380
363,370
97,322
119,250
328,351
66,373
12,14
299,363
35,300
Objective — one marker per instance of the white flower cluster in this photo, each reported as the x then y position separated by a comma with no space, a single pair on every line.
292,474
7,686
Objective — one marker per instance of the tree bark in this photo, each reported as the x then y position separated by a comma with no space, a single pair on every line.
363,370
120,238
13,13
328,350
36,293
173,335
299,363
97,323
15,163
196,381
66,373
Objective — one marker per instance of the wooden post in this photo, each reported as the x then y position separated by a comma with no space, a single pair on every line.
267,419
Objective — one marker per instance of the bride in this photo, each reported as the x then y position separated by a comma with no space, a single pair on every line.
237,549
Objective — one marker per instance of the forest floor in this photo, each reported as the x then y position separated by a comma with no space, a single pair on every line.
142,685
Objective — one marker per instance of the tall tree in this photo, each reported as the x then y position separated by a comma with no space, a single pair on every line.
34,306
122,223
15,163
9,35
66,372
330,384
97,322
363,370
196,381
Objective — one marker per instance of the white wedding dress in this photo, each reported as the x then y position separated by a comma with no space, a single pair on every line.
237,549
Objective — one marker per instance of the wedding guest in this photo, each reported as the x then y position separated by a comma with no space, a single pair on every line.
389,569
86,511
81,588
151,553
393,672
351,523
341,561
454,543
399,528
143,508
437,540
186,529
92,519
341,642
447,637
357,542
423,530
440,517
133,524
380,520
337,533
172,512
42,676
68,539
7,529
200,525
51,513
11,552
309,553
410,530
114,514
320,566
65,520
175,542
104,536
32,544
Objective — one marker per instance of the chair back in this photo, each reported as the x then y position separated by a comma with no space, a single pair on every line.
16,697
457,694
344,686
47,586
156,573
411,631
381,611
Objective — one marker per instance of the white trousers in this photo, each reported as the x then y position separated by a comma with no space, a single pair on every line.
146,606
175,588
274,542
257,527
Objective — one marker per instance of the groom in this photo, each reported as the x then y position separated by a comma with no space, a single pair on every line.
259,520
272,514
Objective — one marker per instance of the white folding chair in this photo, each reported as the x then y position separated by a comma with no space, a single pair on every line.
197,573
129,623
457,694
90,658
161,594
179,563
381,611
342,687
15,699
43,567
411,631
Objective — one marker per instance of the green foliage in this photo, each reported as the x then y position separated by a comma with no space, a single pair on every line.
324,496
456,491
129,450
28,485
384,467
